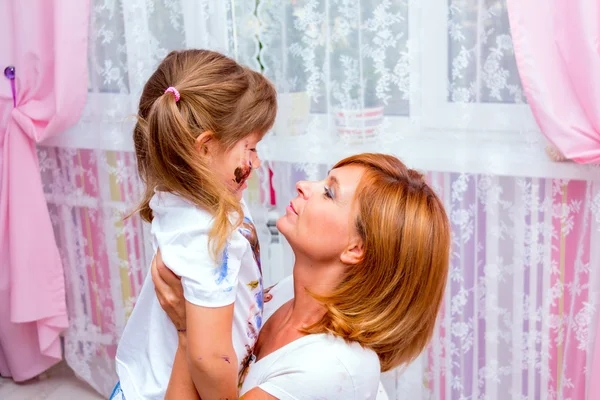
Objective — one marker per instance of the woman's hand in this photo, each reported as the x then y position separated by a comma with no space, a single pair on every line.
169,291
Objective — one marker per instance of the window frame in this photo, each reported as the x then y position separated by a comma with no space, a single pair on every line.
437,111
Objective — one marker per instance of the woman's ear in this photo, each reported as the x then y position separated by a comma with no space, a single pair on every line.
353,254
204,142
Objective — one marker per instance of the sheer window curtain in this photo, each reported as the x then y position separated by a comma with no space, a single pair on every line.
433,83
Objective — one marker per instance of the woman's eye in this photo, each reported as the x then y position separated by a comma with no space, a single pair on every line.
327,192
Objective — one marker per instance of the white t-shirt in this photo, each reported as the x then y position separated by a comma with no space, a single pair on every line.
318,366
180,229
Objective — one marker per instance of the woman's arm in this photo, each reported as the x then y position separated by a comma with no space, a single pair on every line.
181,386
257,394
208,359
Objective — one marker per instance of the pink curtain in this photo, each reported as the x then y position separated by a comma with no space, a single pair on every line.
557,47
46,42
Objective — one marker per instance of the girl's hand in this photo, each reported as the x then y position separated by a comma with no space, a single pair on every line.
169,291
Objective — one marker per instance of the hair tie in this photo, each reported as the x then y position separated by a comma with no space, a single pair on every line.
171,89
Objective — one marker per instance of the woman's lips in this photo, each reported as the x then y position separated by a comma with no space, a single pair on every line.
291,206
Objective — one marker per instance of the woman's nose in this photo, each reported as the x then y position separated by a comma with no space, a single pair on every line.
303,189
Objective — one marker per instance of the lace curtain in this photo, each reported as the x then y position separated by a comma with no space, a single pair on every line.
433,83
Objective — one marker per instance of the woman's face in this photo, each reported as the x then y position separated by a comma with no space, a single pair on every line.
320,222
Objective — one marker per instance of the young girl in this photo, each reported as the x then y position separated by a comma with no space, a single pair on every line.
200,117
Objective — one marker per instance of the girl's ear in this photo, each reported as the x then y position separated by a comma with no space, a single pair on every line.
205,142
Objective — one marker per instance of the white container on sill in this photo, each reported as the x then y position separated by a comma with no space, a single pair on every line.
359,125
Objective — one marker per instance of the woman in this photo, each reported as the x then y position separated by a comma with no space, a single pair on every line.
371,245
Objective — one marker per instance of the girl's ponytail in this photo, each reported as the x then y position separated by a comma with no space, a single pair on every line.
178,166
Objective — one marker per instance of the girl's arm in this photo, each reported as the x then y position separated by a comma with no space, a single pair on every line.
181,386
210,355
208,360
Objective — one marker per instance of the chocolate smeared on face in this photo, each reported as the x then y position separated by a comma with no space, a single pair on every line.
242,173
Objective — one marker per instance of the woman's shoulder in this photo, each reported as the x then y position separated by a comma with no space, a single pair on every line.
323,366
352,356
326,355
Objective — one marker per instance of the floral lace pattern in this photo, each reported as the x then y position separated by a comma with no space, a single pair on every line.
483,67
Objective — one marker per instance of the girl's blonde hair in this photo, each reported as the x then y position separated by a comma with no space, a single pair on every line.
216,94
389,301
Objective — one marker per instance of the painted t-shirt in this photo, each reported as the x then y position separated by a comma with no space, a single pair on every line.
180,229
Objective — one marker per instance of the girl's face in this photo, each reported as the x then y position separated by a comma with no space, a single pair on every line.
234,165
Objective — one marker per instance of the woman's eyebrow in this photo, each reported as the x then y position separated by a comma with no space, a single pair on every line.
334,180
